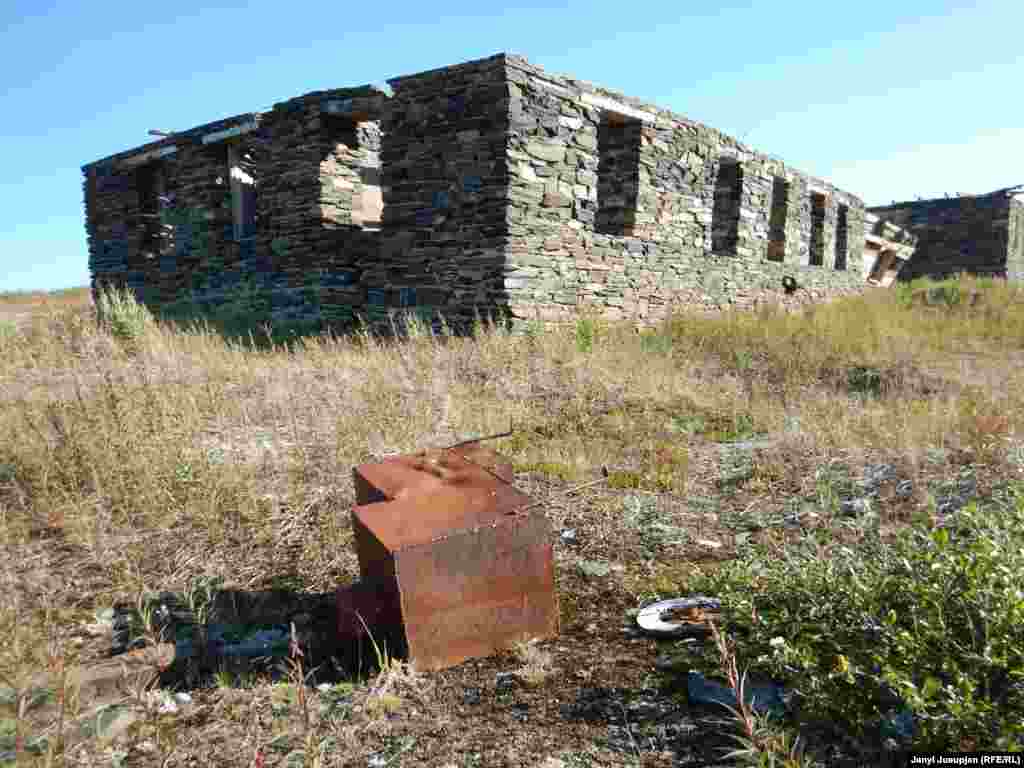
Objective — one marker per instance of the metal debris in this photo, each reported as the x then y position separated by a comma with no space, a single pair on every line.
453,563
679,617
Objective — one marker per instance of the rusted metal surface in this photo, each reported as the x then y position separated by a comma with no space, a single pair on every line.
459,562
469,595
428,471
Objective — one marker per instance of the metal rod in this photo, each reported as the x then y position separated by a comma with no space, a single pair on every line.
481,439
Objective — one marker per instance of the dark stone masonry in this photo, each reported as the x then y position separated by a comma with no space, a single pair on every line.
979,234
490,187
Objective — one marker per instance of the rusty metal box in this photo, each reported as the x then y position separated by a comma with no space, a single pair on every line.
454,563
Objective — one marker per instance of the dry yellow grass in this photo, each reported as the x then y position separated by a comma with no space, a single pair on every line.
145,465
536,663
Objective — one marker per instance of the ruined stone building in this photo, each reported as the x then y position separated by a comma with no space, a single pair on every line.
485,187
978,234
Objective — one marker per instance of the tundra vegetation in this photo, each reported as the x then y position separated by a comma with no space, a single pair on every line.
847,480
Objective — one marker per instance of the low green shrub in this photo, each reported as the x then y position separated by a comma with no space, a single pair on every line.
932,622
586,332
122,315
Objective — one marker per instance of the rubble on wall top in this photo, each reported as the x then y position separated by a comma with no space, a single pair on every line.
1012,192
216,130
367,101
1015,193
187,136
355,92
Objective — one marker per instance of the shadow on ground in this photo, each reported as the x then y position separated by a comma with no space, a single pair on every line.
239,632
260,332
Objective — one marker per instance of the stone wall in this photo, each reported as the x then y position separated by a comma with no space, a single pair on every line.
486,187
976,234
304,248
316,233
700,228
159,225
445,179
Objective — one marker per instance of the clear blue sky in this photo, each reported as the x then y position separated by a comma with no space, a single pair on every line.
888,100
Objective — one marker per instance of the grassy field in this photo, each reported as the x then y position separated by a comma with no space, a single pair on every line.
848,480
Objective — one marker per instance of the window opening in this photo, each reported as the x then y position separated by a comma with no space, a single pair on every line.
817,229
777,220
149,183
618,173
842,236
352,171
241,170
725,212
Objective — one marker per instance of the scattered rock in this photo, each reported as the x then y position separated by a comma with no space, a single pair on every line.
260,628
505,682
650,721
594,568
957,495
750,445
675,662
854,507
875,475
168,703
105,682
764,697
613,704
709,543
